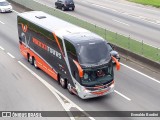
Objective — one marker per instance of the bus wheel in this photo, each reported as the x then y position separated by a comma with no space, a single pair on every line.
63,9
31,60
63,83
28,56
69,87
35,63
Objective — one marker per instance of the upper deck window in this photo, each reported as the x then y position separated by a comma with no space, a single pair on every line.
93,53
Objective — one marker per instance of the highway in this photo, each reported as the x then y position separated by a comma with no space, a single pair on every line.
25,88
141,23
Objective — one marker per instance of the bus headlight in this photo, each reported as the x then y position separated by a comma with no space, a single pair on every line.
112,86
85,76
117,55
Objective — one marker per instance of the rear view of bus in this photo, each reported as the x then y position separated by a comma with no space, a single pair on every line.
76,58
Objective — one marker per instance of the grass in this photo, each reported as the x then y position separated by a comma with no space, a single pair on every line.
114,38
155,3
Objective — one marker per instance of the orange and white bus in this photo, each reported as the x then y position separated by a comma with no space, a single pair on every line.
75,57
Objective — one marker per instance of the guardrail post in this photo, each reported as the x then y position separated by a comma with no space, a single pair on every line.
129,43
105,34
116,37
142,48
158,54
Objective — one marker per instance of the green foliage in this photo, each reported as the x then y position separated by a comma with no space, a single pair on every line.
155,3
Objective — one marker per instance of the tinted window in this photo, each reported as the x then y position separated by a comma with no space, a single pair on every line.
69,1
71,50
110,47
4,3
93,53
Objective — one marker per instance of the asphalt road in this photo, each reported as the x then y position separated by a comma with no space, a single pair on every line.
25,88
140,22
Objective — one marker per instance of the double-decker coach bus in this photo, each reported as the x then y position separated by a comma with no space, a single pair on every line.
77,58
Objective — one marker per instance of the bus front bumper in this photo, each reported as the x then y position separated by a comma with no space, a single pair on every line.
86,94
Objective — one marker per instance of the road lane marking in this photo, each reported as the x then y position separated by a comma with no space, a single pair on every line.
15,11
1,48
57,94
10,55
153,21
122,95
100,6
2,22
114,10
121,22
153,79
140,7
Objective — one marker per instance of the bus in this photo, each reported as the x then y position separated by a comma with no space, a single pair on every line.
76,58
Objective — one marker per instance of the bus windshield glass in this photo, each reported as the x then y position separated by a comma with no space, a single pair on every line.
93,53
97,76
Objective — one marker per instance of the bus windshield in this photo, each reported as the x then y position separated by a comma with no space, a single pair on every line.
93,53
98,76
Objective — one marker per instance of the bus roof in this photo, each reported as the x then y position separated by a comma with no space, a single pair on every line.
60,27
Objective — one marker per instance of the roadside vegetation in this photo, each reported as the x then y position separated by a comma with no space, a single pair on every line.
155,3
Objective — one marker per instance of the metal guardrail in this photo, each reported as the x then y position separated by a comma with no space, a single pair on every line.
123,42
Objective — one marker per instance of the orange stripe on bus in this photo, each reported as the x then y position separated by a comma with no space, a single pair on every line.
41,63
99,92
24,28
117,63
58,44
79,68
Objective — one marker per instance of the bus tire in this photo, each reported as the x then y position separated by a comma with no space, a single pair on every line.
63,9
35,63
69,87
28,57
63,83
31,60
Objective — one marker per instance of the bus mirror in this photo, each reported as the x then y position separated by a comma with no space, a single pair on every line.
117,63
111,46
79,69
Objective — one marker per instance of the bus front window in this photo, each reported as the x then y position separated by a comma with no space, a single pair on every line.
97,76
93,53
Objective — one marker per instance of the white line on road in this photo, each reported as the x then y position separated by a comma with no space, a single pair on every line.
2,22
10,55
104,7
122,95
57,94
1,48
153,21
131,5
121,22
15,11
141,73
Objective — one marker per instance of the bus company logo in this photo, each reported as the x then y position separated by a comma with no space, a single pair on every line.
6,114
24,28
47,48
